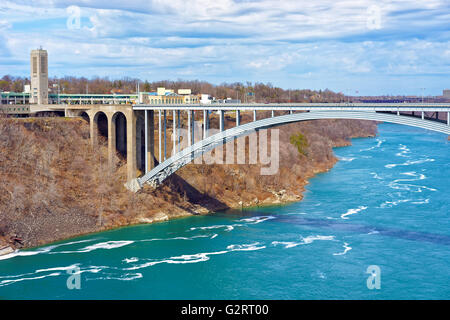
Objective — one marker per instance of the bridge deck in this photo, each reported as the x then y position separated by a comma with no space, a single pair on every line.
158,174
403,107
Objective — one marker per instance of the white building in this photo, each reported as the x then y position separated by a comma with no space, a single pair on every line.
205,99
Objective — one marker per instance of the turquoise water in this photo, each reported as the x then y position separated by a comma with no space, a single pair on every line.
385,204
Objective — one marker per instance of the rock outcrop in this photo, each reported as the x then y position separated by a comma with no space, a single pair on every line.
55,186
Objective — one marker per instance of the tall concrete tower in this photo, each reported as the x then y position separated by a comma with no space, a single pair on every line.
39,77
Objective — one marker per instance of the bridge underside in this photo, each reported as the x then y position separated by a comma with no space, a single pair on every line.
131,130
163,170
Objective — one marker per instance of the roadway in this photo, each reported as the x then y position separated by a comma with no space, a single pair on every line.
393,107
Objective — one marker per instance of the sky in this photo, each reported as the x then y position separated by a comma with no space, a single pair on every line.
357,47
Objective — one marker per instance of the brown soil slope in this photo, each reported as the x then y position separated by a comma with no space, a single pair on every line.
54,186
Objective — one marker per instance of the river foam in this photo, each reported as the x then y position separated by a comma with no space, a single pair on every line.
346,249
304,241
404,151
378,145
347,159
226,227
256,219
108,245
11,281
353,211
197,257
409,163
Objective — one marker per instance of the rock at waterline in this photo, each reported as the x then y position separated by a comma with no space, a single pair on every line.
6,250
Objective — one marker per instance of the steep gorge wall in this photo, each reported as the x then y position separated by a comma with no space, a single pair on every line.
54,185
239,185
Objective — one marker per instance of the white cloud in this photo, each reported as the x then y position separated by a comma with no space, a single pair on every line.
220,40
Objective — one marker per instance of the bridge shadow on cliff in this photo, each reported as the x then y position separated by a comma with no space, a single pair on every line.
194,196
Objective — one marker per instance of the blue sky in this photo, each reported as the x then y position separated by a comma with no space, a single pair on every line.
373,47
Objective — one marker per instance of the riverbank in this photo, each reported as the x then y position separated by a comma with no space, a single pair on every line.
383,203
55,186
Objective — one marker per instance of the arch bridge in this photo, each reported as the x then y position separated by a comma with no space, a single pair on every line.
133,131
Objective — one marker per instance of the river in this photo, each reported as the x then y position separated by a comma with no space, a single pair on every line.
384,204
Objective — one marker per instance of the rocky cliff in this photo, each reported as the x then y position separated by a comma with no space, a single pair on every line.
55,186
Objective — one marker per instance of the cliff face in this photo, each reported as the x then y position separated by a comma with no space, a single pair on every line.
54,185
244,185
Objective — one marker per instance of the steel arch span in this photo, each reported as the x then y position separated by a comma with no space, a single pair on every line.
162,171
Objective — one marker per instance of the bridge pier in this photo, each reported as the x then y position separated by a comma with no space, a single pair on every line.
178,129
146,141
159,137
254,115
131,146
111,139
238,118
165,135
149,140
140,150
174,131
121,138
221,122
448,118
93,129
207,123
191,127
205,118
121,129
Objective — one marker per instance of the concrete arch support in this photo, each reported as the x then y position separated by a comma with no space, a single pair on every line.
120,131
131,146
112,139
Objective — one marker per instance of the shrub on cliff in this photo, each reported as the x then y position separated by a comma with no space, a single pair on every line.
300,142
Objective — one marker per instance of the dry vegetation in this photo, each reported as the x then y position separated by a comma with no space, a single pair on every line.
263,92
243,185
54,185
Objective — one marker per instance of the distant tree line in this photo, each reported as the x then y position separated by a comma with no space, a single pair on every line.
249,92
